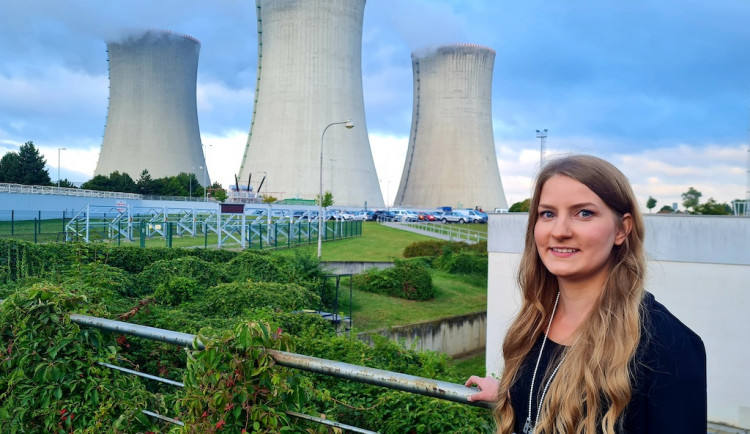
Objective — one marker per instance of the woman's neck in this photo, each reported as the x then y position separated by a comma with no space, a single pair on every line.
575,304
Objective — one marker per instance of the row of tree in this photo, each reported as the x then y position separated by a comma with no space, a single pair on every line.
690,200
28,167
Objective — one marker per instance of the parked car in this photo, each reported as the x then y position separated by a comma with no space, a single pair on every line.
401,215
472,216
453,217
383,216
363,215
426,217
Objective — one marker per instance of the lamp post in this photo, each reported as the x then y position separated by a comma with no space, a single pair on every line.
58,167
205,170
542,136
349,125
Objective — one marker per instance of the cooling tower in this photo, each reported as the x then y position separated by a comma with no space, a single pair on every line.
451,157
152,120
309,76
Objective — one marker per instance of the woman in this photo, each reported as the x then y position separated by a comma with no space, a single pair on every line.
590,351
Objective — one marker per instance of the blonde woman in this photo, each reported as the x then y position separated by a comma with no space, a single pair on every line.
590,350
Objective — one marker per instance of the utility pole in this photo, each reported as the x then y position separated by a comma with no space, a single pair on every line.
542,136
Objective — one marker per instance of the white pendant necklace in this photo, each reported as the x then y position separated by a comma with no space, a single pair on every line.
528,428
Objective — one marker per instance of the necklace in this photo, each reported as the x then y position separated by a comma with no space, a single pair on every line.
528,428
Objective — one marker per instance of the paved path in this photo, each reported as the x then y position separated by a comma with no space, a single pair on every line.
417,231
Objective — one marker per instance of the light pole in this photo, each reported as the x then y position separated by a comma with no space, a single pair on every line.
542,136
190,178
349,125
58,167
205,170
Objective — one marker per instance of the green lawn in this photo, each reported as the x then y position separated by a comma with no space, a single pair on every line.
455,295
377,243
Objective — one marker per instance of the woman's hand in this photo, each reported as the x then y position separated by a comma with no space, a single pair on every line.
488,388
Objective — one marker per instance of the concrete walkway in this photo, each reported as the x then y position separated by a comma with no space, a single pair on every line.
417,231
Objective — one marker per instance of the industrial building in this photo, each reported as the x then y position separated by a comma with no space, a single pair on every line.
310,76
451,160
152,119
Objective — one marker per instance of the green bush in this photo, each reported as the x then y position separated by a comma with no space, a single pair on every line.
176,290
161,273
49,381
407,279
390,411
233,385
236,298
104,280
464,262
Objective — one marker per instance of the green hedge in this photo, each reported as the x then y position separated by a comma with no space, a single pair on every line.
453,257
409,279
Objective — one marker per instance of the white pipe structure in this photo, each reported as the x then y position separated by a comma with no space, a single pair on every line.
321,218
451,158
309,73
152,119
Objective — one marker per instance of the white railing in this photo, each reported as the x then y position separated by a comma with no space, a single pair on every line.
453,231
64,191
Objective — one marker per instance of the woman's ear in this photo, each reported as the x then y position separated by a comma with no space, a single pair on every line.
624,229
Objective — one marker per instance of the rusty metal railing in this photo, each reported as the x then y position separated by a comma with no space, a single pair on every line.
392,380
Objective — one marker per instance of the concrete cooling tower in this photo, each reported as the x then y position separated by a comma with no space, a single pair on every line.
309,76
152,120
451,157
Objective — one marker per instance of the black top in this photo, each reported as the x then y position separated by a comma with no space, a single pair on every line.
669,385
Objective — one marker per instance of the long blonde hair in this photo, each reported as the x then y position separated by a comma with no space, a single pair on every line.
592,387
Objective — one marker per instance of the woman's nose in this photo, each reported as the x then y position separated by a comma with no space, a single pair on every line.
561,228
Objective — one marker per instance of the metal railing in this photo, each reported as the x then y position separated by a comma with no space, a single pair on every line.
378,377
452,231
64,191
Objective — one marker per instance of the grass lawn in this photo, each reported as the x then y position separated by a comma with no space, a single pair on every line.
473,365
456,295
377,243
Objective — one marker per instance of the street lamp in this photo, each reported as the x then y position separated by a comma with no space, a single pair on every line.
542,136
58,167
349,125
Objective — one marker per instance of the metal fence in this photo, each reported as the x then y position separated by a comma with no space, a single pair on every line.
450,231
378,377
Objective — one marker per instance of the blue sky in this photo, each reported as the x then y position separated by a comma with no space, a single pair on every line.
661,89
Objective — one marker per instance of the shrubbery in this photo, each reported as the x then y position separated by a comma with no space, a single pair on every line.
247,298
409,279
49,381
450,256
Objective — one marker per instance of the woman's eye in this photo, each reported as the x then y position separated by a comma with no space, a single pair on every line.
585,213
546,214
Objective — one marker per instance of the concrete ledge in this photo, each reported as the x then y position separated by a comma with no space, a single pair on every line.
454,336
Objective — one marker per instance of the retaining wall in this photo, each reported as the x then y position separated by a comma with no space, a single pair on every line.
454,336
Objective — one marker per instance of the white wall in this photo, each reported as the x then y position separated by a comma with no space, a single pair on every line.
699,267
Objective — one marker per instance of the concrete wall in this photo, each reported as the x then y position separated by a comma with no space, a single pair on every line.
699,268
152,119
310,75
451,158
349,267
454,336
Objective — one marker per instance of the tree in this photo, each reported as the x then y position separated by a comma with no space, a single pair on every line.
666,209
32,166
520,206
327,199
114,182
10,168
691,198
25,167
267,198
146,184
711,207
650,203
218,192
66,183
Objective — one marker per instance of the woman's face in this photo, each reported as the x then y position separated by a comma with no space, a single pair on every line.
575,232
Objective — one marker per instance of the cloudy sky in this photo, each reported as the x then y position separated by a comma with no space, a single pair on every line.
660,88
